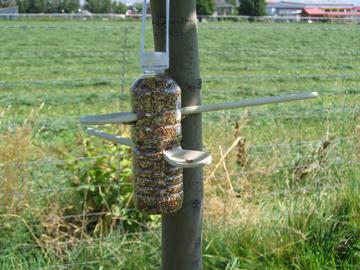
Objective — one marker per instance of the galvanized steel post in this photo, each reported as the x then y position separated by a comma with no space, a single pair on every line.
182,231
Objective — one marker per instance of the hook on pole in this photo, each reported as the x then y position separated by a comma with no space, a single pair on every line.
154,61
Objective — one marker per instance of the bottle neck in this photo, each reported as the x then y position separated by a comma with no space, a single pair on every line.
154,72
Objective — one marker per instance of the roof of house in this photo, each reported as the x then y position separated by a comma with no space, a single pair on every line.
223,4
347,14
284,4
288,4
320,12
9,10
314,11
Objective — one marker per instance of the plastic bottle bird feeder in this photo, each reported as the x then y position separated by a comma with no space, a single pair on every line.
158,158
156,100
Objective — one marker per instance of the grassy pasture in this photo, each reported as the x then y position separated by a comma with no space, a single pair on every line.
286,197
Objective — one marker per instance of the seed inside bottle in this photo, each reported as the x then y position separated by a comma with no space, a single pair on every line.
156,99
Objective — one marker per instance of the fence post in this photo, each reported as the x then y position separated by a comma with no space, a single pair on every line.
182,231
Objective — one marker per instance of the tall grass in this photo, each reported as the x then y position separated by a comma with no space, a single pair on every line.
15,152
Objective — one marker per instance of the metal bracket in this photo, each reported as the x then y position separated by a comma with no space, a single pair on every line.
128,117
110,137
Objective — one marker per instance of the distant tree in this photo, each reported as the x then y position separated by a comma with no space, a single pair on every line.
23,5
53,6
98,6
138,7
118,8
205,7
47,6
37,6
233,2
252,7
69,6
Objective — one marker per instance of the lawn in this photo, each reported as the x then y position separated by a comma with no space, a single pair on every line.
286,196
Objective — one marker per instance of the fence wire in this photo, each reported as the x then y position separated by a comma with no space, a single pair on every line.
353,76
86,53
297,113
292,145
262,170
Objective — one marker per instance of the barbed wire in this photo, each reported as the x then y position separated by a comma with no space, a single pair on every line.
327,113
148,16
61,82
289,114
243,53
84,187
207,78
301,143
69,265
295,28
284,76
89,187
285,193
251,146
289,193
67,27
265,170
201,26
272,170
210,93
297,68
331,53
124,62
227,68
49,218
57,161
218,96
83,54
271,193
280,18
89,240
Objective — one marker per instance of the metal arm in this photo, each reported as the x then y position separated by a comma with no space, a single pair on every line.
128,117
110,137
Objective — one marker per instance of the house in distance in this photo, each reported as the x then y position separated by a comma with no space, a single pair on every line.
307,8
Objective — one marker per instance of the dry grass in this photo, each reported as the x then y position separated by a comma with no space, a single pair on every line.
224,192
238,187
15,150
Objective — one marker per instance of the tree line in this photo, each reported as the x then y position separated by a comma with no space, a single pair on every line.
47,6
64,6
246,7
204,7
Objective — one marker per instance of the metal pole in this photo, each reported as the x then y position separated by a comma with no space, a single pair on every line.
182,231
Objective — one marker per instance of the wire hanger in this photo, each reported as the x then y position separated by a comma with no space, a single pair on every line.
156,62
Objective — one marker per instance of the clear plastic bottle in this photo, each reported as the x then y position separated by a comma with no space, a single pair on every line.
158,186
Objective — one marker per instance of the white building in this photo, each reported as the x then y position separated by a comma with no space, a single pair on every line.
295,7
9,10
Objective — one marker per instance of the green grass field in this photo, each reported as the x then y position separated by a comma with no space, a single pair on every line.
286,197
